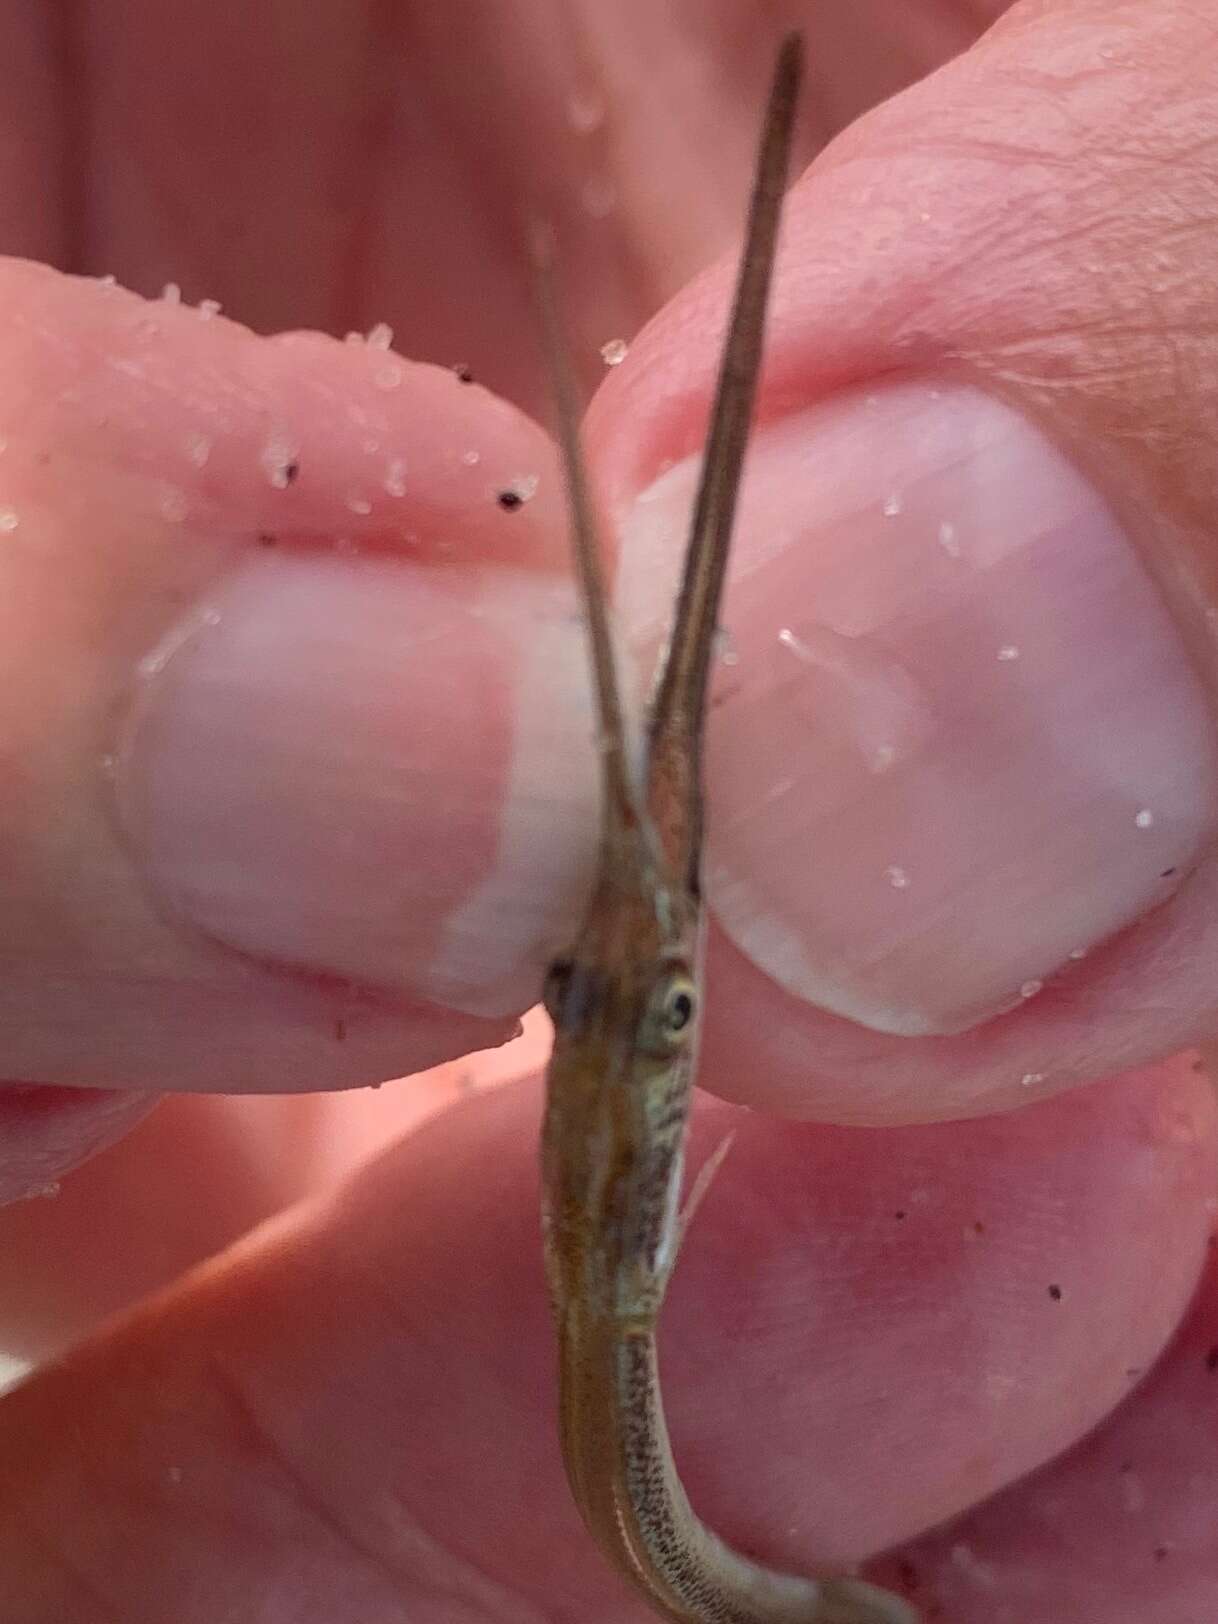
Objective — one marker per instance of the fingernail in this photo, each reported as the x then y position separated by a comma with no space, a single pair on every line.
956,740
370,770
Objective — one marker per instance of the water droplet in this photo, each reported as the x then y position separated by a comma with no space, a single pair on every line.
614,352
8,519
1031,1078
948,540
892,505
586,110
970,1566
174,506
883,758
144,328
471,459
198,449
1078,952
1030,988
173,1474
209,308
724,647
395,478
599,197
108,281
380,337
523,488
389,378
897,877
1132,1492
171,293
279,461
48,1192
354,338
924,216
359,504
1009,651
3,445
1145,818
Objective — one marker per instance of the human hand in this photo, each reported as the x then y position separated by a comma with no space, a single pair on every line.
347,1413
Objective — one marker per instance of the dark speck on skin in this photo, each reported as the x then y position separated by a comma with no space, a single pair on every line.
907,1573
898,1216
510,500
1211,1359
1160,1553
290,471
1167,873
1056,1293
266,539
340,1031
464,373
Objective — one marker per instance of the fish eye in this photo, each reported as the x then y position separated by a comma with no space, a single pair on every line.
670,1017
679,1008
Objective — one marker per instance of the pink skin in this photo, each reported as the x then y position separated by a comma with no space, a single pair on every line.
304,816
327,1412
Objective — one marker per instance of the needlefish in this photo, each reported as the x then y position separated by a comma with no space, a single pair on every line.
625,1007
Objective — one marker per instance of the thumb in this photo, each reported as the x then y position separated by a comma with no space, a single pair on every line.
963,766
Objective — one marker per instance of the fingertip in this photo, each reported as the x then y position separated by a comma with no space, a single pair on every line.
947,809
323,679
